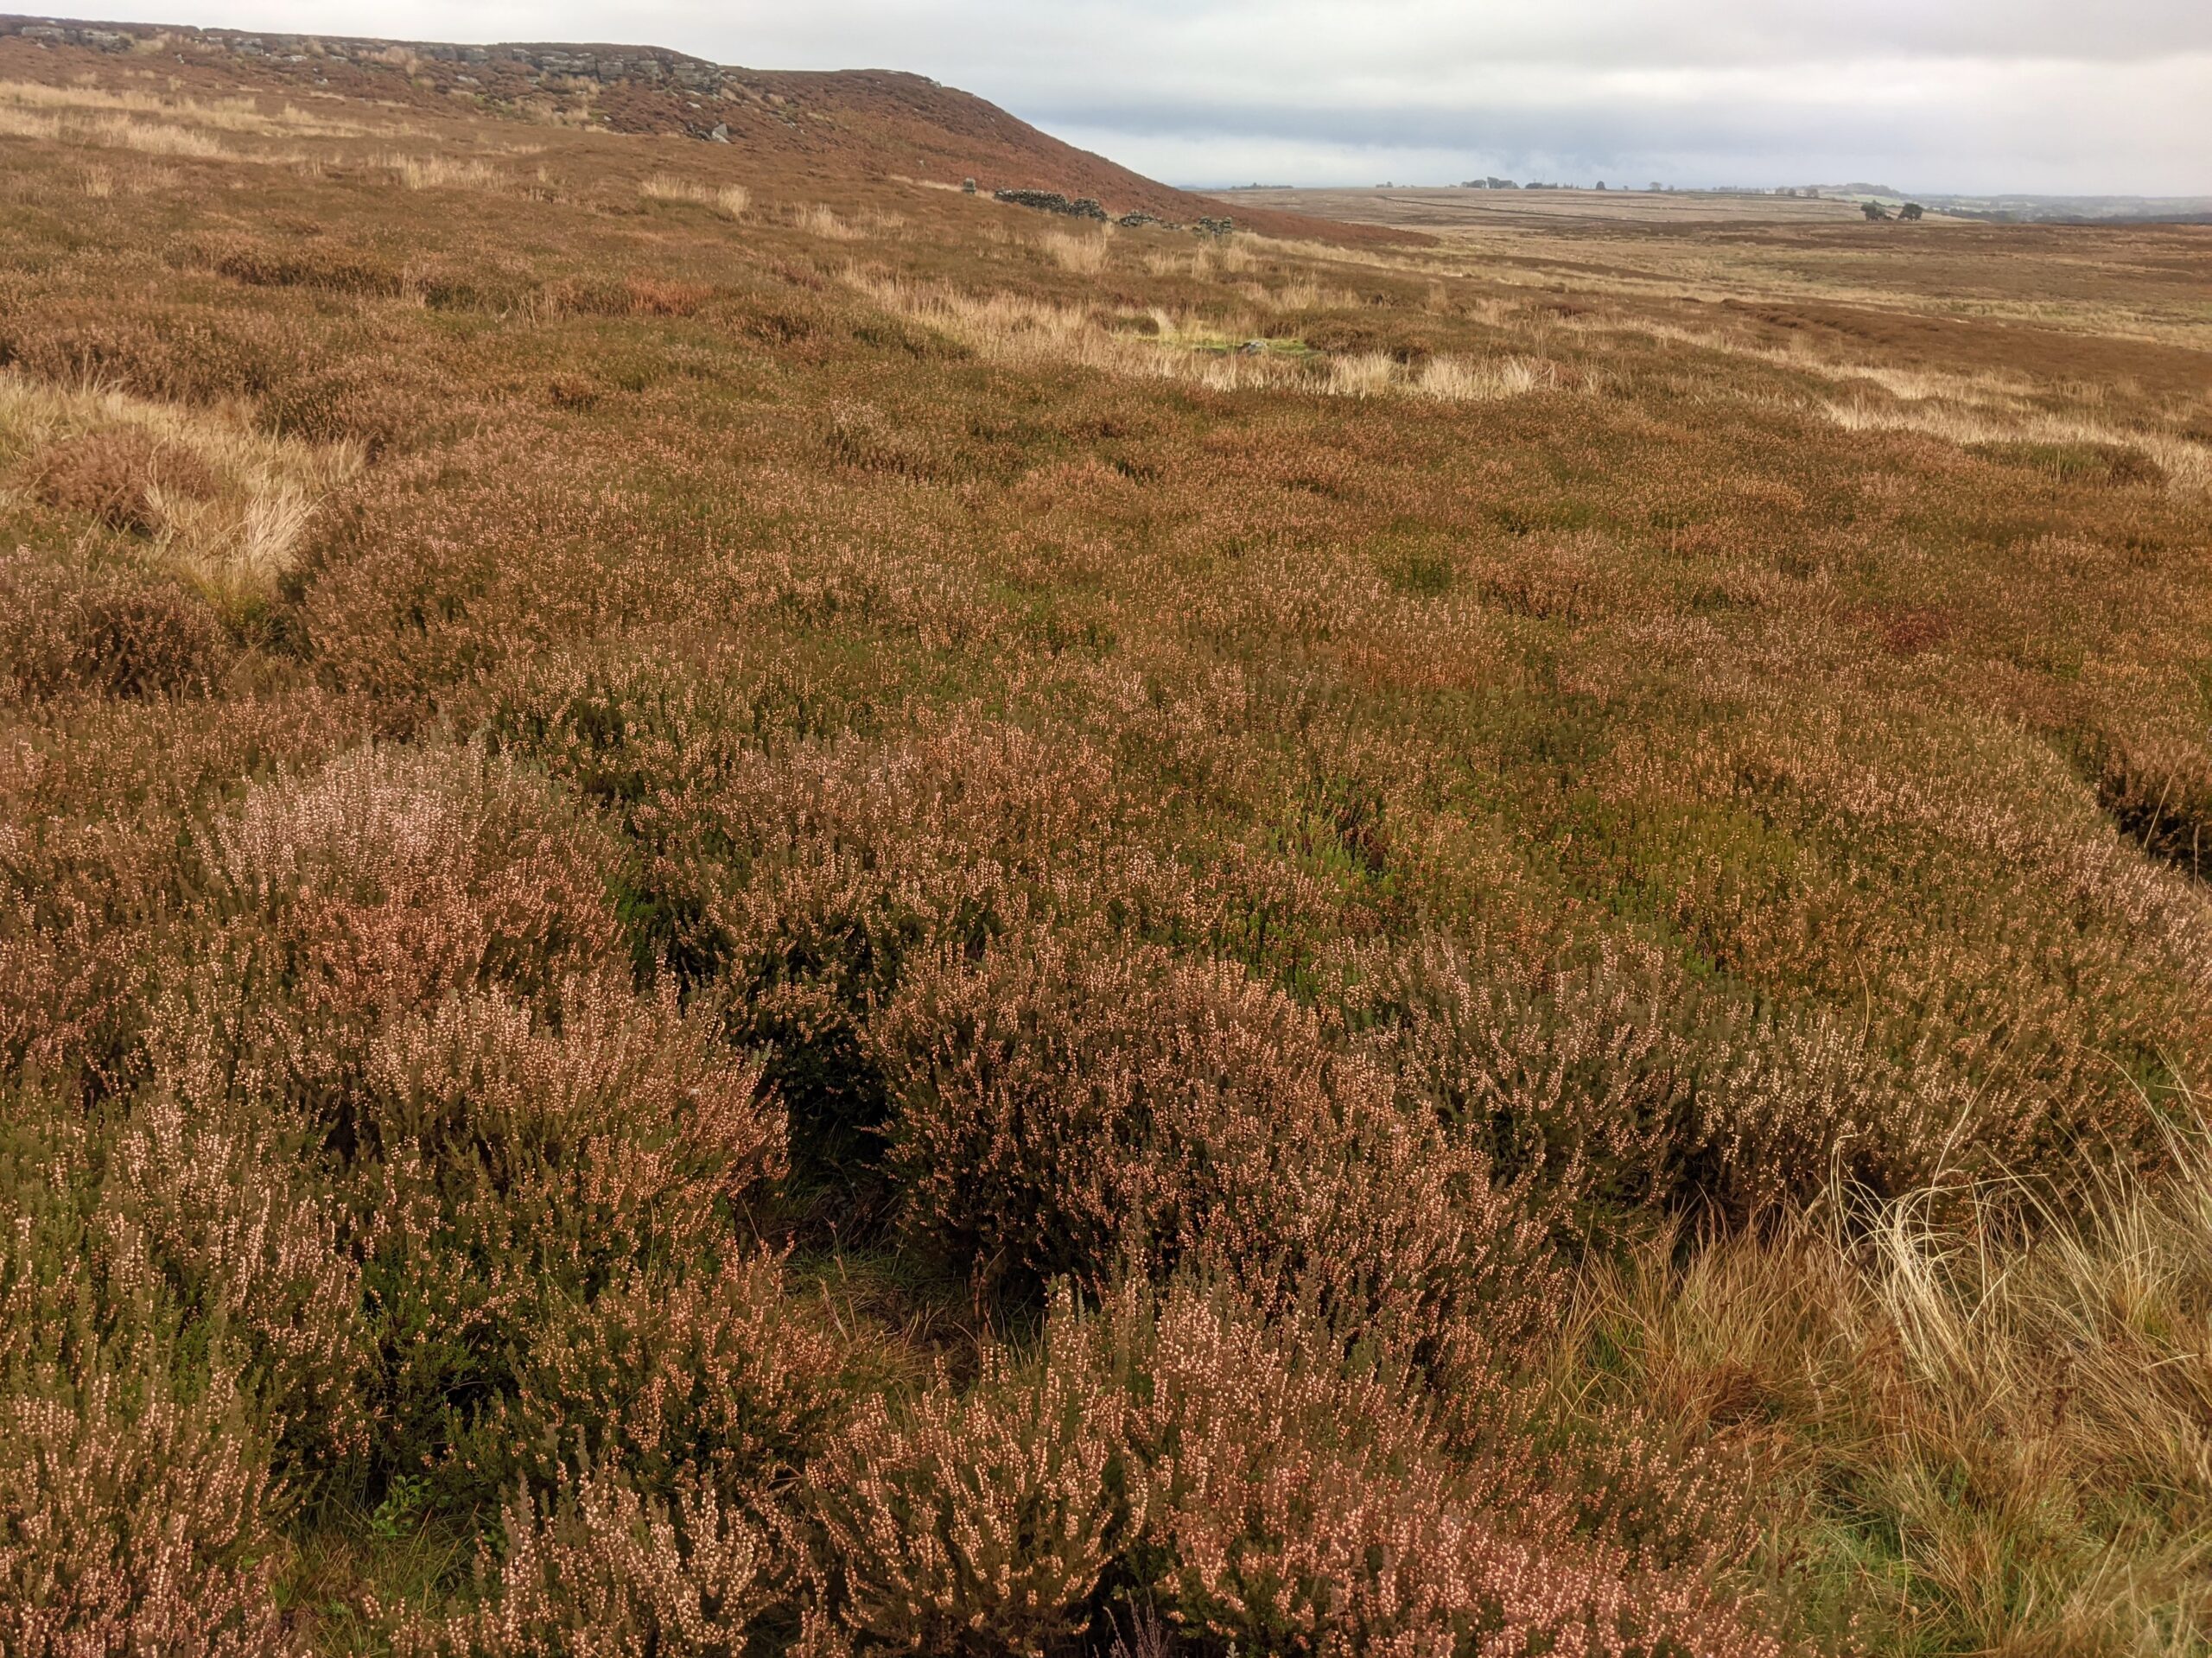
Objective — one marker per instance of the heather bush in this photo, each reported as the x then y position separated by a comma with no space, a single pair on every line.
345,405
137,1507
262,264
720,1370
1090,1110
509,1172
2160,794
136,1513
1605,1084
980,1520
1299,1504
849,862
595,1568
187,355
118,634
209,1198
87,905
393,876
119,477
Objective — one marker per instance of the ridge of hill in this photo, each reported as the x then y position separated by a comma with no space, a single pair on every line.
846,122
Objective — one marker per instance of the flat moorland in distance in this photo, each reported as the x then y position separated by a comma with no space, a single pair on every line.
1447,207
749,907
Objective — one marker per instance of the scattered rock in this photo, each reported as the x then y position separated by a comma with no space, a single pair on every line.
721,133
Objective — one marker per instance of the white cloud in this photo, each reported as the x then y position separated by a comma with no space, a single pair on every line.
2044,95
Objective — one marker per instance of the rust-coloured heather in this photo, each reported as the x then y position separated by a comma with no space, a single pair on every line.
830,922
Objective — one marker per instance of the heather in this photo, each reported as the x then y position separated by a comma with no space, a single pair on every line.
748,907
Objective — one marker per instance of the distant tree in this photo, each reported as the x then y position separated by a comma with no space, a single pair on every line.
1601,184
1910,210
1873,210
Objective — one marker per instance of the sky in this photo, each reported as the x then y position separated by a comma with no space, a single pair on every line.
2051,97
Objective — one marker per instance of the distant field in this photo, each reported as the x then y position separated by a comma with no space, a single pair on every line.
747,907
1449,209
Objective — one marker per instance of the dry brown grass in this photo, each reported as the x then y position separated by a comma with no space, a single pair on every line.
220,502
1083,254
730,201
444,172
2003,1422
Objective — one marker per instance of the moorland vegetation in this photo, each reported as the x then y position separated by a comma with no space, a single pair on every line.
751,909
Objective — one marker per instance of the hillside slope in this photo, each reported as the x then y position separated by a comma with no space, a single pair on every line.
841,124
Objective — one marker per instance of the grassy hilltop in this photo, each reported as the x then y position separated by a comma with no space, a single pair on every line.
749,907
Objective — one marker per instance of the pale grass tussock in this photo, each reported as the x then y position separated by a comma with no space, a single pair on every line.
1369,374
444,172
1460,379
119,133
819,220
2054,1364
730,201
1083,254
2186,463
1012,328
1233,258
231,529
1301,294
234,115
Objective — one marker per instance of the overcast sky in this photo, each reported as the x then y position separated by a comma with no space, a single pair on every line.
2052,96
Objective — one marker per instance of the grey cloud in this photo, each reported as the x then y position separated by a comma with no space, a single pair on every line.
1968,94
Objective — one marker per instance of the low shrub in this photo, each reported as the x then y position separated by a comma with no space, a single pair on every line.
345,403
1091,1110
118,634
137,1514
596,1569
980,1520
1298,1503
119,476
2159,795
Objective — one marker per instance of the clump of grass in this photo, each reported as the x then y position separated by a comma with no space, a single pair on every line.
2184,463
818,220
1085,255
1997,1418
1459,379
730,201
213,498
444,172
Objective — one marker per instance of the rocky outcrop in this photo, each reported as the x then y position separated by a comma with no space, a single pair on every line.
646,65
